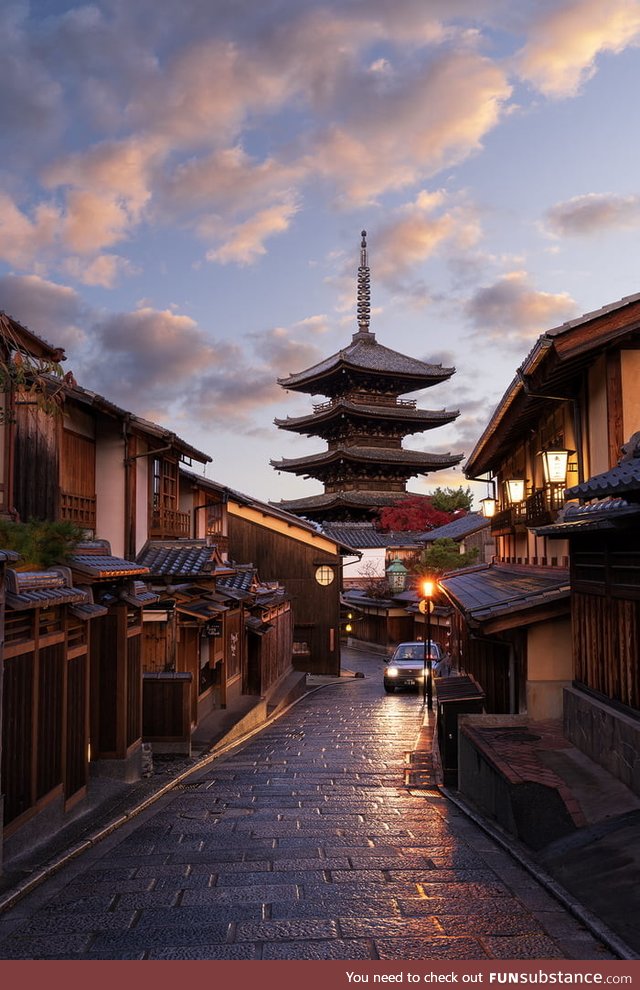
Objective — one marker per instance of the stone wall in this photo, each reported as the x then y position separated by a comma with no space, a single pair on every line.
607,736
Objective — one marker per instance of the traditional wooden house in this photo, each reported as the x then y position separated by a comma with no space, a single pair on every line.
45,700
307,563
115,654
26,361
602,705
562,419
197,628
283,549
113,474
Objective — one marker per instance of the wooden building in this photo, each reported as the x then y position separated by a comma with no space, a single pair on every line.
365,466
197,628
45,699
115,656
563,418
603,530
92,446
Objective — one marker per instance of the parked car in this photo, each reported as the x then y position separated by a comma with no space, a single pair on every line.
406,666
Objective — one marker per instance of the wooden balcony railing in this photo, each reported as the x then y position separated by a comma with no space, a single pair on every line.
507,520
78,509
543,505
169,522
371,400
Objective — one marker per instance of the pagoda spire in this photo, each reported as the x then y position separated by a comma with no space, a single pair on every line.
364,288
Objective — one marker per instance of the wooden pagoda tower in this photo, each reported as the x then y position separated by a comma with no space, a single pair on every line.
365,467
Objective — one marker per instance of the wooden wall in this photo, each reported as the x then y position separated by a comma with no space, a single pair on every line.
45,711
316,609
606,641
605,612
36,479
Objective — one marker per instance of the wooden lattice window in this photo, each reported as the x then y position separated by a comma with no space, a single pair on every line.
165,517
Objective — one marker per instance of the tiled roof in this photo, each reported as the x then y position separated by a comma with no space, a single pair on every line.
458,528
88,610
364,535
177,559
603,513
332,500
375,455
139,595
490,591
105,566
623,478
201,608
241,579
366,354
18,336
329,411
35,589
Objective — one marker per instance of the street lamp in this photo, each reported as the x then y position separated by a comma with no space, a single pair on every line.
428,587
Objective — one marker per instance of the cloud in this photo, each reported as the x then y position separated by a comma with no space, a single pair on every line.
23,238
149,352
593,213
244,242
512,310
564,43
30,95
53,311
441,111
419,230
104,269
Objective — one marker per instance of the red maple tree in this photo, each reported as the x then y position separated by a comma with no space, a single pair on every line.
415,514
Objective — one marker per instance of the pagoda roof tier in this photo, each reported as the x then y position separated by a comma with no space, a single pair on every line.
419,460
366,362
335,504
404,414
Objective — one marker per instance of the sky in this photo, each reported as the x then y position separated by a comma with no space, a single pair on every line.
183,186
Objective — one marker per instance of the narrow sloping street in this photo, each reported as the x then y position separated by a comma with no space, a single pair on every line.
303,843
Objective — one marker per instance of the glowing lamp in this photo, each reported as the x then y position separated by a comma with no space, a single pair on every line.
515,490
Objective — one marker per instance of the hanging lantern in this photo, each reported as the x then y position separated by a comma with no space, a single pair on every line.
488,506
515,490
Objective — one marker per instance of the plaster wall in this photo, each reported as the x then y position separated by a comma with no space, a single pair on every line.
549,667
110,487
371,565
598,431
142,502
630,363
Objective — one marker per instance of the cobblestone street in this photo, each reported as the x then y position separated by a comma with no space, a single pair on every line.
303,843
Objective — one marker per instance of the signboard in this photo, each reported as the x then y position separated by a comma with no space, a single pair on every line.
213,628
426,605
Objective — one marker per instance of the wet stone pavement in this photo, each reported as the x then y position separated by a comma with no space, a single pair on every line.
303,843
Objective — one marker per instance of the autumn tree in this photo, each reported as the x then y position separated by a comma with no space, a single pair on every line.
414,514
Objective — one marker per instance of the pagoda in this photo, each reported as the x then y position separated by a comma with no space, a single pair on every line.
365,467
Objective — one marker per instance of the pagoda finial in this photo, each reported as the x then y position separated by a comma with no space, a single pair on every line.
364,288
